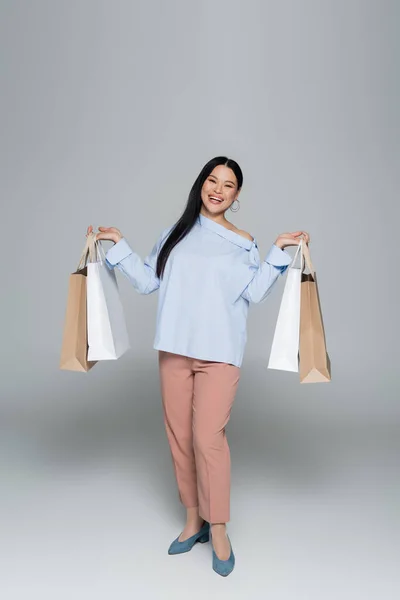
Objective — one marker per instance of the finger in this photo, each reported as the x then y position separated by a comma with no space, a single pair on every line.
304,235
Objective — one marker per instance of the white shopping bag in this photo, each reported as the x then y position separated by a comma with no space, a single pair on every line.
107,332
285,345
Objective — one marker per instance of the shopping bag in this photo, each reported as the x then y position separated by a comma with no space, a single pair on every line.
284,353
107,331
74,343
314,360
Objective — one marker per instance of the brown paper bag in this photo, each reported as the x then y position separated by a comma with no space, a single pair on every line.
75,345
314,362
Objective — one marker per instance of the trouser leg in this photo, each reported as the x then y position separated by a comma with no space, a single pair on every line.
177,384
215,386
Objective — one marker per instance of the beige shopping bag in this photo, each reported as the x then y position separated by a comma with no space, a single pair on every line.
75,343
314,362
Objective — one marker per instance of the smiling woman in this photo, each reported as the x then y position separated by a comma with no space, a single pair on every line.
221,189
207,272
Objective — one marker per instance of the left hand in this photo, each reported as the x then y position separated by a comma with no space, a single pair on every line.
106,233
292,239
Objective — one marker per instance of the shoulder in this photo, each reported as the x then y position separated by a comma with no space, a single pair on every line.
244,234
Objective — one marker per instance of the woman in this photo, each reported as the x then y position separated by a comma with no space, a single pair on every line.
208,272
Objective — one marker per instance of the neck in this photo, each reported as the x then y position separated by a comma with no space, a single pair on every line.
217,218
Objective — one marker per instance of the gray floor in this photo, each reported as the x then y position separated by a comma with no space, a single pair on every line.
89,507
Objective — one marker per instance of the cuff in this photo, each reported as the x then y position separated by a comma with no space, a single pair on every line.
118,252
278,257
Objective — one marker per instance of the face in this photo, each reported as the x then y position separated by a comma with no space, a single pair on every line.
222,184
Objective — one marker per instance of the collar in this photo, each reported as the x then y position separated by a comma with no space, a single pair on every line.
228,234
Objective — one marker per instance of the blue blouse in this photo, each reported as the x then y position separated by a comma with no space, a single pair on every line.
209,280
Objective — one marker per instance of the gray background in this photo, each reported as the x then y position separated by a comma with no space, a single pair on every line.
108,112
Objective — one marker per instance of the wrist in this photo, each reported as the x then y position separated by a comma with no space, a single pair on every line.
278,244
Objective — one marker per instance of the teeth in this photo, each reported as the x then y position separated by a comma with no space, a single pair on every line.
213,198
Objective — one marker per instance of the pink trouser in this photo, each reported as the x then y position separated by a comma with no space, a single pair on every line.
197,397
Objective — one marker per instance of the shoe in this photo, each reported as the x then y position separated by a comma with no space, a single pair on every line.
223,567
201,536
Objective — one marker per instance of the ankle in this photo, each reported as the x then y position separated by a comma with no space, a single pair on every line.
199,521
193,517
218,528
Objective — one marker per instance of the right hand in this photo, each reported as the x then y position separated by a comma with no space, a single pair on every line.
107,233
292,239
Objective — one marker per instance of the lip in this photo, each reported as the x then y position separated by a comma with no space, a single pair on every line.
215,196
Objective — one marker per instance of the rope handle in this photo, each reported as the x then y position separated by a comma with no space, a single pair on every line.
92,250
304,251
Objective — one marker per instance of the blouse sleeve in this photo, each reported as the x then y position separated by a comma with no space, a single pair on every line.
141,273
262,275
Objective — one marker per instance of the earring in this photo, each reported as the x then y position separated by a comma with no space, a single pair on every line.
235,209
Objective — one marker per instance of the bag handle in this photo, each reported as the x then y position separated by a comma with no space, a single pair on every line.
307,258
296,254
90,250
101,255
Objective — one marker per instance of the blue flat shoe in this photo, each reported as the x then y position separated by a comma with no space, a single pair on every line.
201,536
223,567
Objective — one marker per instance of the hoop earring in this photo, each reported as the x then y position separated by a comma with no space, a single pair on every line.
235,209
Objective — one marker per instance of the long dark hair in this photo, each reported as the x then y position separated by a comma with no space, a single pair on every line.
193,207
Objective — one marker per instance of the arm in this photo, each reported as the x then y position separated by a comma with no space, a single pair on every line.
265,273
141,274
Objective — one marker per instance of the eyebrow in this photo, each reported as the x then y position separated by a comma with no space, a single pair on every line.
228,180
